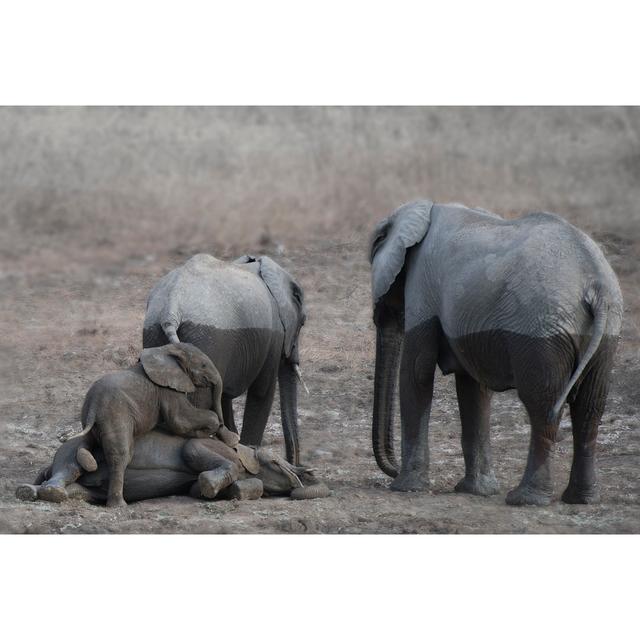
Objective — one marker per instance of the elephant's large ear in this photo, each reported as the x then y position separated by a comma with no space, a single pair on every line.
249,459
288,296
389,243
164,366
245,259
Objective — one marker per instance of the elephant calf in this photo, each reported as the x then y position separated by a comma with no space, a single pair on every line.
123,406
164,464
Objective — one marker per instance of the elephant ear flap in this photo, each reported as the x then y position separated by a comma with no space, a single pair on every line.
245,259
162,366
390,240
249,459
281,286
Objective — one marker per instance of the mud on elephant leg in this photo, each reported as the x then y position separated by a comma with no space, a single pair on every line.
215,471
64,470
227,411
245,489
118,456
417,370
536,487
586,412
257,410
474,402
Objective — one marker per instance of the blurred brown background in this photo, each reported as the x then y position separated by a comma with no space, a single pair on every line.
90,178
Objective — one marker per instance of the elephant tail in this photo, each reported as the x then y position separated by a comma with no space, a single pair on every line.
598,306
171,331
88,420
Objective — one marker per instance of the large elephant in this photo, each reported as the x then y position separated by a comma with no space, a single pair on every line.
528,304
246,316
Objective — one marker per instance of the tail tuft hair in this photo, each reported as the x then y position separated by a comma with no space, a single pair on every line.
596,303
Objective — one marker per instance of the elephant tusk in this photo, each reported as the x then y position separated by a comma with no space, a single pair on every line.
296,368
290,474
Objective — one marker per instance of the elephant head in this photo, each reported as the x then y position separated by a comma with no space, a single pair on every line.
281,478
289,299
183,367
390,241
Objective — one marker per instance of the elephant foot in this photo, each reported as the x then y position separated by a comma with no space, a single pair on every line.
411,482
85,459
116,502
52,492
230,438
248,489
581,495
27,492
483,484
528,495
212,482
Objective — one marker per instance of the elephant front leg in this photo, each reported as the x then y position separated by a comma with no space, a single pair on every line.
417,370
474,402
183,419
215,471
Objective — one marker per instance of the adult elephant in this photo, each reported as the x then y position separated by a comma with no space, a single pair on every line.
246,316
529,304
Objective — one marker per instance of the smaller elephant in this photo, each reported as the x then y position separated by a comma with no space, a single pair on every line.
122,406
164,464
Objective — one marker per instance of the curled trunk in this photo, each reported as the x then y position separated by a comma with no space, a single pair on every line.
287,382
388,348
319,490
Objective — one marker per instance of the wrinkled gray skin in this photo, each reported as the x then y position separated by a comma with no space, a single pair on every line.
164,464
246,316
122,406
528,304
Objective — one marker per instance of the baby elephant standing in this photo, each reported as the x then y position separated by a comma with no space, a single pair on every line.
122,406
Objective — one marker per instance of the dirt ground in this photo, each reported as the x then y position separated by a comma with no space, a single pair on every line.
96,205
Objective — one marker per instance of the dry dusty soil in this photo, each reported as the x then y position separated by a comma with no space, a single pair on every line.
73,297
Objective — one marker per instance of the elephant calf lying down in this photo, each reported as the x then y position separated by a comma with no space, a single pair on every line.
165,464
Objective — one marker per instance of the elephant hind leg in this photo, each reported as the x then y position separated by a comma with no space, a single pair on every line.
215,471
27,492
258,408
77,491
211,483
474,402
542,368
536,486
227,412
118,452
64,470
587,408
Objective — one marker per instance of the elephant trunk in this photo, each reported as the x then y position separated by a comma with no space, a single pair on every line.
388,347
318,490
287,381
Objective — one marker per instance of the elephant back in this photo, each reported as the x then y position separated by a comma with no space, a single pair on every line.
212,293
